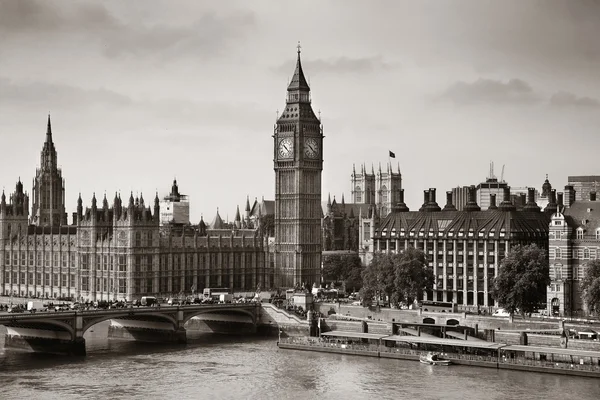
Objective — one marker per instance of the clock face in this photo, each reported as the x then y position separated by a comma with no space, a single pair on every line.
311,148
286,148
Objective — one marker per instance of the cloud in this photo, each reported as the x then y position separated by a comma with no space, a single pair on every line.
566,99
119,110
490,91
40,93
94,23
338,65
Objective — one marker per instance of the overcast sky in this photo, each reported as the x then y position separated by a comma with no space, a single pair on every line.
144,91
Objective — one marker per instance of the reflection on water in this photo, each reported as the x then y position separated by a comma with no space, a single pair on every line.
233,367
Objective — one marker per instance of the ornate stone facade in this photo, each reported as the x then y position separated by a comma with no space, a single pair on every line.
298,164
119,251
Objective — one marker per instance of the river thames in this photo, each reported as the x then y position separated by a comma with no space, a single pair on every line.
215,366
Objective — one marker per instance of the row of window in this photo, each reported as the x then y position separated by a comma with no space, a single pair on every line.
460,233
46,258
583,254
24,278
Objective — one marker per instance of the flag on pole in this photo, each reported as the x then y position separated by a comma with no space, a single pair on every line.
392,155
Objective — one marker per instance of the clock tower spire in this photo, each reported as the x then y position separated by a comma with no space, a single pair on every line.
298,164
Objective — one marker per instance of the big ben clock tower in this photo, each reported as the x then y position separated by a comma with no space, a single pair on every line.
298,159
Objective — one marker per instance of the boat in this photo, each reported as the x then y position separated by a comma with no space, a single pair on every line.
434,359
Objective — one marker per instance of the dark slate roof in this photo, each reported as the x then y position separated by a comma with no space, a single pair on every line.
580,212
298,80
266,207
492,223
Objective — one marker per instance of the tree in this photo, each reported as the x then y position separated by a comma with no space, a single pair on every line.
400,277
590,286
345,268
412,276
522,280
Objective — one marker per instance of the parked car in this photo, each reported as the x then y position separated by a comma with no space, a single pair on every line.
501,312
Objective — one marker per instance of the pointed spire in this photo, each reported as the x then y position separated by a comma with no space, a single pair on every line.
131,201
329,199
247,204
237,214
372,169
49,131
353,169
94,200
343,202
298,81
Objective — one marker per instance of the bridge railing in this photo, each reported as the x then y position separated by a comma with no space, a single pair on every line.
74,313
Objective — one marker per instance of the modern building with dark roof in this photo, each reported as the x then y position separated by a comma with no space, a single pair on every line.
465,248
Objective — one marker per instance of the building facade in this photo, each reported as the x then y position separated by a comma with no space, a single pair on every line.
583,185
574,242
119,251
298,164
464,248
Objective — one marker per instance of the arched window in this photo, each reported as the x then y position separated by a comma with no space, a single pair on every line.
384,194
586,253
358,194
597,234
580,233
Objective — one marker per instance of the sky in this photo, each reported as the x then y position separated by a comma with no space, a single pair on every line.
141,92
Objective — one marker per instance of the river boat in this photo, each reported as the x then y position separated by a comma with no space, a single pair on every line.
434,359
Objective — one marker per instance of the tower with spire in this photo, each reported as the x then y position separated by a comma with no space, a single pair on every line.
48,187
298,164
381,189
175,208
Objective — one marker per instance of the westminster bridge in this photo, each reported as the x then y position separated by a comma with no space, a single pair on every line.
62,331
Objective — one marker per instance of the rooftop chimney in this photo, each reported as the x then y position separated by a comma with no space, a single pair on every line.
400,206
531,205
433,205
472,202
449,206
492,202
559,199
552,207
506,204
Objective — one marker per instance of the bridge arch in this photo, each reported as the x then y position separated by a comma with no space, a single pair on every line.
88,322
428,320
35,323
191,314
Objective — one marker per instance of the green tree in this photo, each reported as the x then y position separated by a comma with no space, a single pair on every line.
412,276
590,286
400,277
522,280
346,268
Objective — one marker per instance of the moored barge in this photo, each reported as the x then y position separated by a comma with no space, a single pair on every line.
462,352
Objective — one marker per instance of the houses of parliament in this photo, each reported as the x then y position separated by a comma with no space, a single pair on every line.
121,250
127,249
